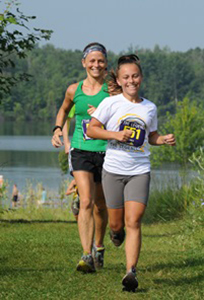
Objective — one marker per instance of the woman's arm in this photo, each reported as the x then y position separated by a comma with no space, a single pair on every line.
156,139
71,188
96,131
62,114
65,132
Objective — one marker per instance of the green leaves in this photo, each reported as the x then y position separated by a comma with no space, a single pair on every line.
14,43
11,20
187,124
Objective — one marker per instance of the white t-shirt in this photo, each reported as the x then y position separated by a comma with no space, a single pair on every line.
117,113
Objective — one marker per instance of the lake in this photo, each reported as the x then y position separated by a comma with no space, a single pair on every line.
26,153
28,157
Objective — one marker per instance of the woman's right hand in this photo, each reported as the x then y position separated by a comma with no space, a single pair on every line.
123,136
56,141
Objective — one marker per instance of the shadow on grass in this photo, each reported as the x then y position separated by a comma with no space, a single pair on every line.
9,271
36,221
159,235
138,291
3,260
181,281
177,265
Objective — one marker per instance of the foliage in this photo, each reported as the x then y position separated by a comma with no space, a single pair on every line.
3,194
187,124
63,162
197,203
168,78
176,200
14,44
31,208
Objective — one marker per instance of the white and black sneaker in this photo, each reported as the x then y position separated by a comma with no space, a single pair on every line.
117,237
130,282
98,256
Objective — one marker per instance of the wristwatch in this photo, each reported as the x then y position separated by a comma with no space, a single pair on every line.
56,128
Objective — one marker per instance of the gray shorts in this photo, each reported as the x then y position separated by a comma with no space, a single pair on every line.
120,188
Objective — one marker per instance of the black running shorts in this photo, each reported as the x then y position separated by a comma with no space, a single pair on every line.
82,160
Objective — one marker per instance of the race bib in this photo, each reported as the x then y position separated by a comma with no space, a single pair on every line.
138,131
85,124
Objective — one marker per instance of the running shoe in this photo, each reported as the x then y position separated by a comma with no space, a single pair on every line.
75,206
129,281
98,255
117,237
86,264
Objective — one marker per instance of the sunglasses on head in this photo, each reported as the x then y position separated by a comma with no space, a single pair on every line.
130,57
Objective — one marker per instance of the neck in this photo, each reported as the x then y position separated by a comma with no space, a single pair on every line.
94,81
133,99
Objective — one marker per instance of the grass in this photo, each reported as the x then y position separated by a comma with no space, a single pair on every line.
40,247
38,261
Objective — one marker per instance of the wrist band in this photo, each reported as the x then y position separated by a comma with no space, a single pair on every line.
56,128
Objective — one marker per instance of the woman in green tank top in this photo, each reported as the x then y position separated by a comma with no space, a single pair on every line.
87,154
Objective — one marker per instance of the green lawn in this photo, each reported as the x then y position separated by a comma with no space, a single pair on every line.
38,261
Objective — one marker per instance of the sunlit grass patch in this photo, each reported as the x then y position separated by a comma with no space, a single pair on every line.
38,261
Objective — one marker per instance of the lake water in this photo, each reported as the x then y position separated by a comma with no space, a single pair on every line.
25,156
30,158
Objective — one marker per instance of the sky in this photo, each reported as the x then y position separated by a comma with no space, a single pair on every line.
119,24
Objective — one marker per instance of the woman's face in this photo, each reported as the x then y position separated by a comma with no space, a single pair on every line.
130,79
95,64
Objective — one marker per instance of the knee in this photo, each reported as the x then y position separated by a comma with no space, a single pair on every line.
86,204
116,226
100,207
100,204
133,223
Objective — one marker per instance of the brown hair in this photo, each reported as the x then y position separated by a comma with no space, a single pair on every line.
113,87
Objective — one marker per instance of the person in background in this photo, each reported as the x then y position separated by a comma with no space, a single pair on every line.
44,195
14,195
130,123
87,155
72,189
1,180
1,185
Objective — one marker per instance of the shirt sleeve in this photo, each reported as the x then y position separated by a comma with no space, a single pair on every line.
102,113
154,122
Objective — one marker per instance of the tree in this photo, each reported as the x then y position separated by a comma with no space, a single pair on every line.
14,43
188,126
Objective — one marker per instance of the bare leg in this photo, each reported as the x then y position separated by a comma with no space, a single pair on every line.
85,184
100,215
133,215
116,219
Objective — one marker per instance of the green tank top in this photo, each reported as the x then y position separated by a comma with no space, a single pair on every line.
80,140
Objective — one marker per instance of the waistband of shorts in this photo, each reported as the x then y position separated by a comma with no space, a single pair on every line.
126,175
87,151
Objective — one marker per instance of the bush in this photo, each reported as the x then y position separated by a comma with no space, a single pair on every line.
63,162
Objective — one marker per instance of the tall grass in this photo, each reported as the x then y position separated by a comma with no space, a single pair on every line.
177,199
166,203
31,208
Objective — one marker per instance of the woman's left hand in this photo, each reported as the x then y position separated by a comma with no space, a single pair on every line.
169,139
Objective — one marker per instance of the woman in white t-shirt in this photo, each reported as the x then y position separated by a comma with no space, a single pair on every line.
130,123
